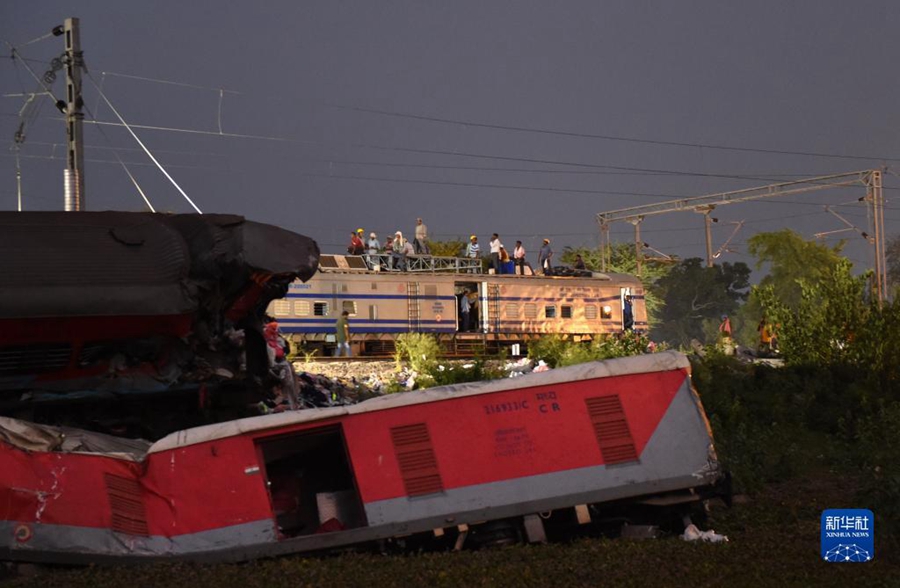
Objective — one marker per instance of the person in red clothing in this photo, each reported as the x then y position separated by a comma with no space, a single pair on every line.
356,247
725,327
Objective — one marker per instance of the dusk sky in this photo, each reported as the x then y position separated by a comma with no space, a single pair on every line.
523,118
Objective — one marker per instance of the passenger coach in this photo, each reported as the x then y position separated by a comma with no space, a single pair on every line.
506,310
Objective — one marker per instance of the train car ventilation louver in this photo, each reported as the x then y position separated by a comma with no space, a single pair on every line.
34,359
126,506
415,455
611,429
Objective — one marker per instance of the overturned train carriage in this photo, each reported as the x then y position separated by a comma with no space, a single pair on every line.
112,309
507,309
436,464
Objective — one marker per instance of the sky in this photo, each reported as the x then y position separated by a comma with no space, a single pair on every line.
523,118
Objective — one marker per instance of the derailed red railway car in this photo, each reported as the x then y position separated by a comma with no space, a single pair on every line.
439,462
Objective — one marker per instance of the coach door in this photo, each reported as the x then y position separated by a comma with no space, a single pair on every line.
627,309
310,481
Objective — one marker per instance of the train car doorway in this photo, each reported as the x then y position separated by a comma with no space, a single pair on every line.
627,309
310,482
468,322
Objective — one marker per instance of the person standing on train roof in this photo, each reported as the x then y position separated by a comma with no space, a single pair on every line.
421,244
495,252
473,250
544,257
342,334
519,258
396,246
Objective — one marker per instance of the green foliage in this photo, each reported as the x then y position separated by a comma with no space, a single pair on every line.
421,353
792,259
879,458
892,252
450,248
758,417
834,325
695,297
772,424
458,372
419,350
560,351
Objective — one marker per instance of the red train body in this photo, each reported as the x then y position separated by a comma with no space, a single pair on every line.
438,461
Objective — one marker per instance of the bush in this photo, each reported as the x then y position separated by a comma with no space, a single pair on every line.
757,427
878,457
560,351
419,350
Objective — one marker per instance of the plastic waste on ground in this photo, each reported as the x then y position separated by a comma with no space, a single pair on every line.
692,533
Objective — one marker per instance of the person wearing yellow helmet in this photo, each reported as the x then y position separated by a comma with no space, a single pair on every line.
473,250
357,246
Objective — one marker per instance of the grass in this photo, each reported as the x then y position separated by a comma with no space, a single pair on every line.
774,541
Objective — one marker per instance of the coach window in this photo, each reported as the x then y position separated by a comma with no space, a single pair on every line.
320,309
590,312
349,306
606,312
530,310
565,311
550,311
301,308
512,310
282,308
373,312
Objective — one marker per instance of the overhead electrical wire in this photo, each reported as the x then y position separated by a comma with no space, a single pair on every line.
144,147
469,123
111,162
527,129
125,167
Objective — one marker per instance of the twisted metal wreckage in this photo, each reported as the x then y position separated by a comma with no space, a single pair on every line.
105,314
118,326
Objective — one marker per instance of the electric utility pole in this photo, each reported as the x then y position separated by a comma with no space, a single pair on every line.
73,179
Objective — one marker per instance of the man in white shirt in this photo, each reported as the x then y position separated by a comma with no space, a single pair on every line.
495,252
519,258
421,245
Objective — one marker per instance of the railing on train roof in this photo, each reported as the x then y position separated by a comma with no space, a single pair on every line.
414,264
423,264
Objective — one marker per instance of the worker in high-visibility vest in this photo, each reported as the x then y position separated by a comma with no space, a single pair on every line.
766,336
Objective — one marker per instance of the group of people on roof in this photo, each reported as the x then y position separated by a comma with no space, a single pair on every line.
398,249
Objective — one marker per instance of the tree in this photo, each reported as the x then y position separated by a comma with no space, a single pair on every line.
832,324
791,258
449,248
695,297
893,261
